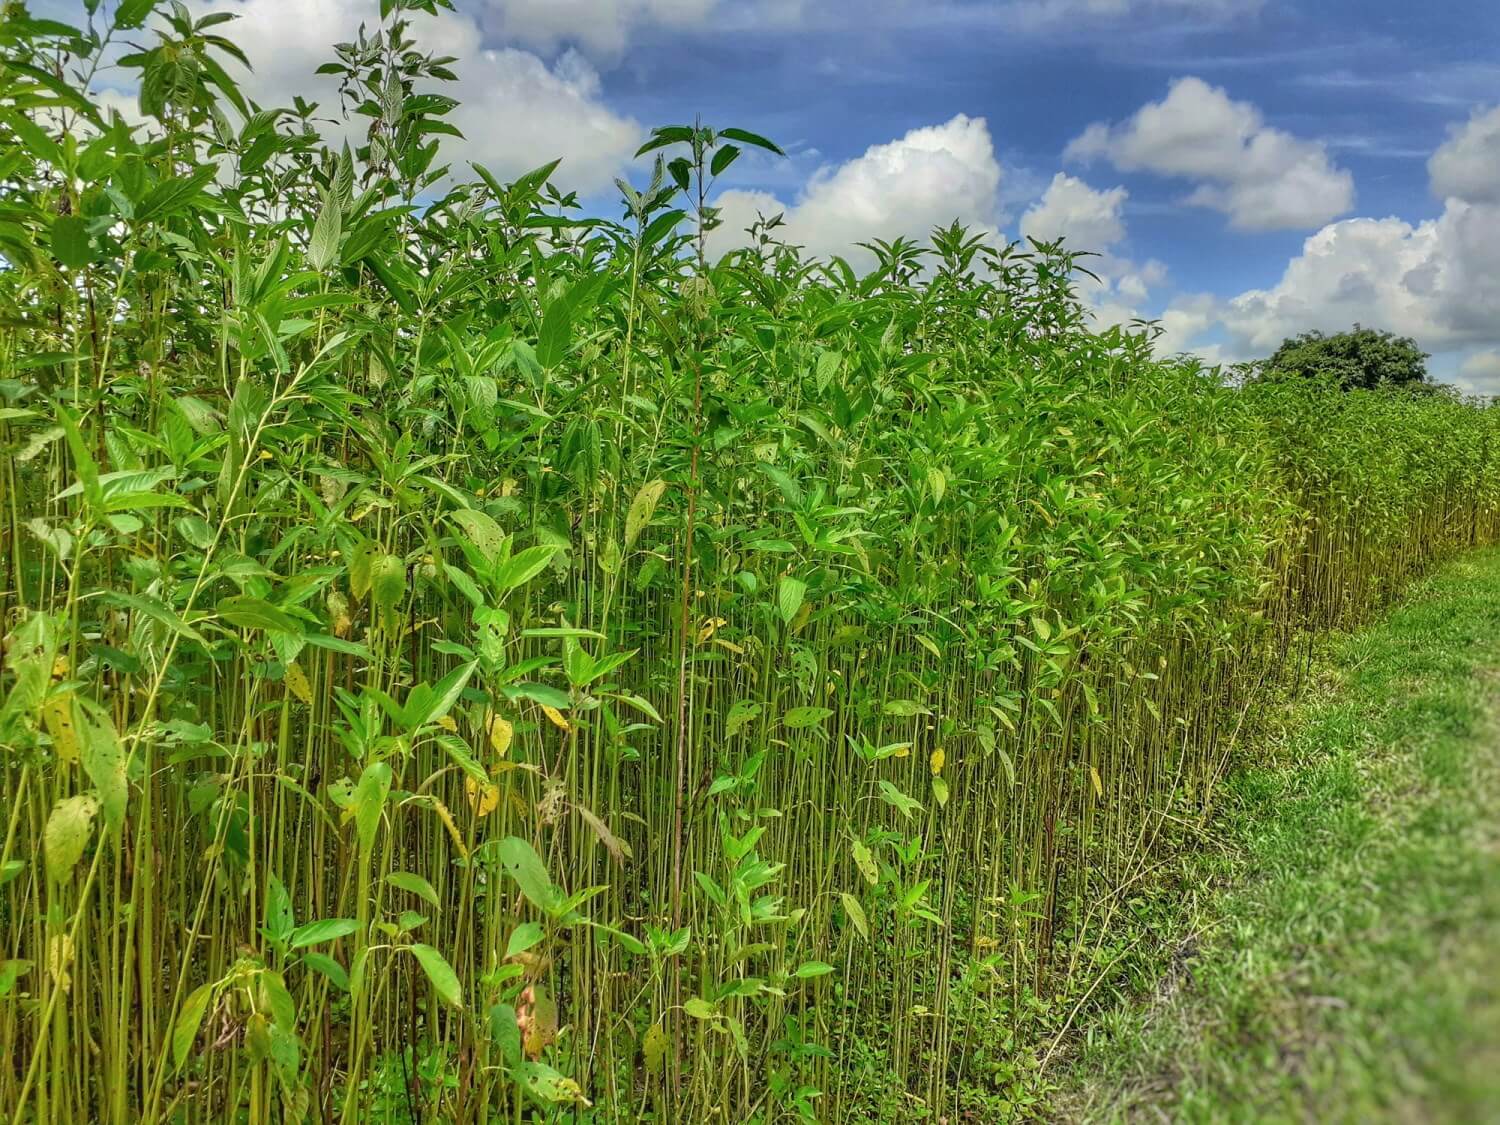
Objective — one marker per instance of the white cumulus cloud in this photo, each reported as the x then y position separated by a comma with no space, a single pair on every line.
1261,177
1070,209
1467,166
1437,280
516,110
905,187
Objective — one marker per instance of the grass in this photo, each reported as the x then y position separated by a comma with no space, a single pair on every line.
1338,963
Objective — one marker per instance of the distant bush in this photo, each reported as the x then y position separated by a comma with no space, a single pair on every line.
1362,359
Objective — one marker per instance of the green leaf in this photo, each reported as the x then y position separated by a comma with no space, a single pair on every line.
745,137
153,608
131,14
523,937
506,1033
723,158
279,917
330,968
524,567
70,241
789,595
369,802
445,694
189,1019
799,717
323,247
83,461
388,581
67,833
809,969
899,800
254,613
327,929
414,884
440,973
905,708
171,195
700,1009
744,711
519,860
557,322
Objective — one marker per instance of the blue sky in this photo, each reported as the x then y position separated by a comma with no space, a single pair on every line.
1248,168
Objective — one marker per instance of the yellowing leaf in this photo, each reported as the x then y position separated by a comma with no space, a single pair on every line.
936,760
642,508
856,914
57,716
938,483
448,723
483,797
67,833
447,818
555,717
710,625
1098,784
654,1047
297,683
865,861
501,735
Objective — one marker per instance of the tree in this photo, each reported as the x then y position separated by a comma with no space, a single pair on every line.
1363,359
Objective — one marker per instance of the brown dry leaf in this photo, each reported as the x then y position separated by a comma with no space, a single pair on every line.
541,1029
551,805
60,961
618,849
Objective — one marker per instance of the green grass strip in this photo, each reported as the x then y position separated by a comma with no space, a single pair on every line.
1339,945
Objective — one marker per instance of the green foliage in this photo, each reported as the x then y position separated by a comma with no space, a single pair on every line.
1359,359
668,684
